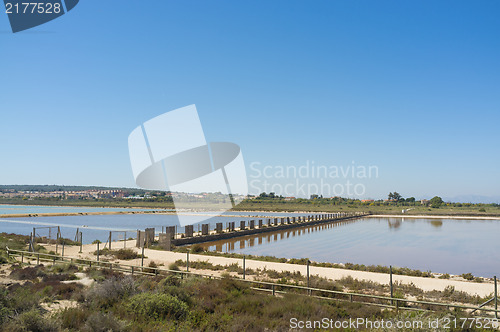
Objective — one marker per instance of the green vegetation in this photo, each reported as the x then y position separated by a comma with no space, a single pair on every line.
348,284
13,241
393,205
138,303
157,306
303,261
436,202
163,303
263,202
467,276
150,203
122,254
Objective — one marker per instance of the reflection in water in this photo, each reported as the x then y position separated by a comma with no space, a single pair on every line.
239,243
395,223
437,223
448,246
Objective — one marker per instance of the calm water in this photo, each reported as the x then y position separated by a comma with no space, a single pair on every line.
447,246
98,226
33,209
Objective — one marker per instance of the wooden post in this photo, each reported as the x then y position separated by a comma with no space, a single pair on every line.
187,262
57,238
81,241
109,240
274,290
38,259
496,297
390,282
62,249
308,281
125,240
33,239
244,267
142,256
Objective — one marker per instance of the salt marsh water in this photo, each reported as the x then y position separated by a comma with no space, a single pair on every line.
452,246
36,209
98,226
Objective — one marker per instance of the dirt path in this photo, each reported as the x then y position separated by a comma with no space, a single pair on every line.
168,257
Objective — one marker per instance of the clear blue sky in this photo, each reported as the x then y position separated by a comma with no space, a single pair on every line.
409,86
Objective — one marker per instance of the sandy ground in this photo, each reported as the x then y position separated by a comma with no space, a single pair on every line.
430,217
82,279
59,305
166,257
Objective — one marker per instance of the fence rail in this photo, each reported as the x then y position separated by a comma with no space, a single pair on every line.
275,288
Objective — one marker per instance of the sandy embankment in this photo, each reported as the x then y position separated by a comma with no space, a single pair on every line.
145,211
166,257
414,216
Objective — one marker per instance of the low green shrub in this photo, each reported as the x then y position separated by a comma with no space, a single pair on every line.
73,318
110,291
3,259
197,248
467,276
103,322
5,306
31,321
63,268
157,306
122,254
27,273
171,280
126,254
174,267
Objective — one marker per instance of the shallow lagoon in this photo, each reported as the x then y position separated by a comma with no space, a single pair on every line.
452,246
98,226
